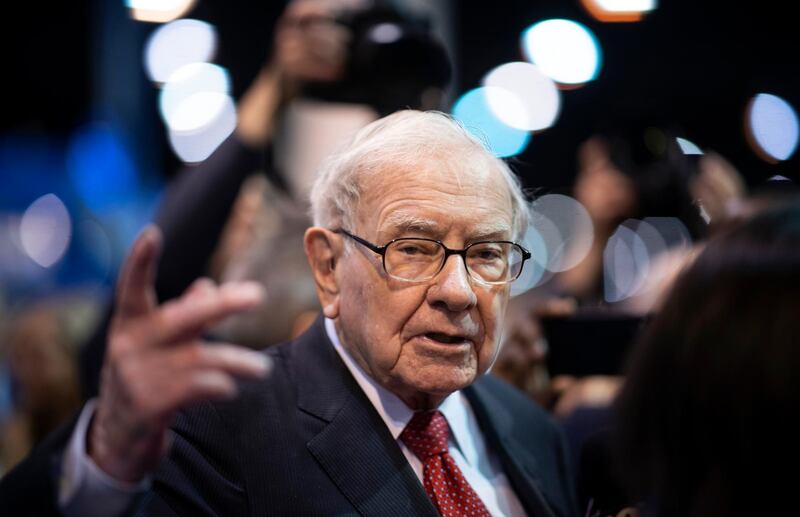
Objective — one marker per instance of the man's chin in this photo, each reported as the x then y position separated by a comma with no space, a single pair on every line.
438,383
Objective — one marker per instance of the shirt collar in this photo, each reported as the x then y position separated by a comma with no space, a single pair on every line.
395,413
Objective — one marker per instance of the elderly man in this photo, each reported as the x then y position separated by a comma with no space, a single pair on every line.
381,408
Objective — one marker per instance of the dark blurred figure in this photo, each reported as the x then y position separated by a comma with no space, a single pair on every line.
44,381
704,417
627,170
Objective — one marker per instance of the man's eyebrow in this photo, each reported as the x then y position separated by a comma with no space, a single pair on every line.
490,232
399,223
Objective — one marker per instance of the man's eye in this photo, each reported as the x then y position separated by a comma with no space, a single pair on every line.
409,250
487,254
416,248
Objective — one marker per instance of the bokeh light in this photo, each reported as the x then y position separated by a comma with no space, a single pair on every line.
619,10
198,111
521,96
473,110
385,33
176,44
158,11
632,252
534,272
625,264
772,127
565,50
688,147
182,85
45,230
101,167
671,230
213,121
566,229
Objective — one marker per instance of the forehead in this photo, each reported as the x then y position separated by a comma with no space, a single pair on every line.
437,199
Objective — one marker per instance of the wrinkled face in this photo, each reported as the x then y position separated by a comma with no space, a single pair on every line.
424,340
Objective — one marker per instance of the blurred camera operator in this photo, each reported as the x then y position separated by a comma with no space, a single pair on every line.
335,66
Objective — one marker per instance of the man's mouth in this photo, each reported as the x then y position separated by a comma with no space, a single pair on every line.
445,338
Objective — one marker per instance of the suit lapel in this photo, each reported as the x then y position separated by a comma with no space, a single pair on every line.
354,447
518,463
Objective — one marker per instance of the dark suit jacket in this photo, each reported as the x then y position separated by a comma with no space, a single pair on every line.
307,441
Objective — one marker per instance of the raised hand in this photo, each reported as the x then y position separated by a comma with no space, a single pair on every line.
308,47
157,363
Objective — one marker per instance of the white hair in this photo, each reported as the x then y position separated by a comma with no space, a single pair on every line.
404,137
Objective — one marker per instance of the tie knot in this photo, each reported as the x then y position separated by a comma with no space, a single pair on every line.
426,434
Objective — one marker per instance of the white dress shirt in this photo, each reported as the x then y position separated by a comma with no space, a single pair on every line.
83,484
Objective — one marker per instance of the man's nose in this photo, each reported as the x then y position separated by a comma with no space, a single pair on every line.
452,286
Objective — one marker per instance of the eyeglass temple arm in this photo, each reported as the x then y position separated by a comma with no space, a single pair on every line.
380,250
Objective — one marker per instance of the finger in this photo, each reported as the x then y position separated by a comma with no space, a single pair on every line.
190,315
208,385
135,292
184,388
203,286
231,359
192,386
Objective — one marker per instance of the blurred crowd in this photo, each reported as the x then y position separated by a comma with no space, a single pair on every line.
712,331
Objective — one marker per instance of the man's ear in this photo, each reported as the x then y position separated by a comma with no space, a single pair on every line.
323,249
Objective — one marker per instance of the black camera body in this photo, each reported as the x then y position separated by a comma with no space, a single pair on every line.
394,61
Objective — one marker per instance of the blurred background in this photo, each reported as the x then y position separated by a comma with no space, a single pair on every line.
106,100
81,121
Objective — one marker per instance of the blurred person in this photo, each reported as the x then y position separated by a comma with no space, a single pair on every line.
703,417
600,486
241,213
381,408
707,187
44,380
625,171
629,173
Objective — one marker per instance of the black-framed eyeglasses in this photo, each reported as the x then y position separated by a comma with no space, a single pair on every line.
414,259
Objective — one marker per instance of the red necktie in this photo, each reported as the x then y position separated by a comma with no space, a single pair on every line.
426,435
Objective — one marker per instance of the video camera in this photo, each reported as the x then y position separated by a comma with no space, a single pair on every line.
394,60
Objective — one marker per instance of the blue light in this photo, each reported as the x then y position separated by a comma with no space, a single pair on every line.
472,109
101,167
774,126
30,165
688,147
